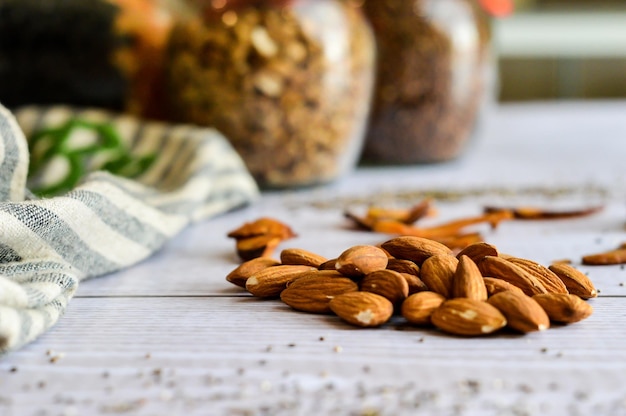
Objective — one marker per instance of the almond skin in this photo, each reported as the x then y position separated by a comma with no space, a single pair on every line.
240,274
361,260
437,272
467,317
387,283
313,291
503,269
418,307
269,282
416,249
362,309
494,286
403,266
478,251
298,256
522,312
576,282
547,277
468,281
564,308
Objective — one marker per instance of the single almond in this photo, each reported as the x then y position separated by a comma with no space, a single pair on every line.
313,291
418,307
495,285
257,246
617,256
415,283
240,274
403,266
437,272
416,249
269,282
577,282
547,277
468,317
564,308
522,313
263,226
387,283
478,251
468,281
503,269
298,256
361,260
363,309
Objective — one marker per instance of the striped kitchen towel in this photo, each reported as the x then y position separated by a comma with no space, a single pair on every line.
102,192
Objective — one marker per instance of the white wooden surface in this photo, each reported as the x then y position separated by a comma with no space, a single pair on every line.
172,337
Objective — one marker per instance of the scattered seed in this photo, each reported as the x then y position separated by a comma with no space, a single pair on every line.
338,348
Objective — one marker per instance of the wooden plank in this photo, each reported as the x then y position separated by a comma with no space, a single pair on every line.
243,354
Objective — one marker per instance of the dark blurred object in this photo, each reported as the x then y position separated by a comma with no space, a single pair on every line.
434,63
80,52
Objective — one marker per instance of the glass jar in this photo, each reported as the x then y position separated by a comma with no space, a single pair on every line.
288,82
433,78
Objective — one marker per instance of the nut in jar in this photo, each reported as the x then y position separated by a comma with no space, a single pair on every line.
288,82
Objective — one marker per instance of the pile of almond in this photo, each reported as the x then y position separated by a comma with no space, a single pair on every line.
475,292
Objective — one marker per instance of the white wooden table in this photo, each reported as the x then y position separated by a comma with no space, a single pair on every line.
172,337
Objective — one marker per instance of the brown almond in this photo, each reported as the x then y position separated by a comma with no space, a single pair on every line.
361,260
387,283
468,317
617,256
298,256
503,269
564,308
415,283
363,309
328,265
269,282
522,313
577,282
403,266
240,274
313,291
468,281
257,246
263,226
437,272
416,249
547,277
418,307
478,251
495,285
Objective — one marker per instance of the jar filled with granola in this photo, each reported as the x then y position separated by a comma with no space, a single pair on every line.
434,74
288,82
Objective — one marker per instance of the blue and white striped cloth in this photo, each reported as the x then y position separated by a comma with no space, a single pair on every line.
47,246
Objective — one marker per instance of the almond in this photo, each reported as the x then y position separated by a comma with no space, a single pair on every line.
418,307
416,249
468,317
576,282
245,270
564,308
522,312
403,266
617,256
478,251
415,283
387,283
269,282
363,309
328,265
468,281
437,272
503,269
495,285
547,277
360,260
258,246
313,291
298,256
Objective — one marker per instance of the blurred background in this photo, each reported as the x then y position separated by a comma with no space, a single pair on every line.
562,49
